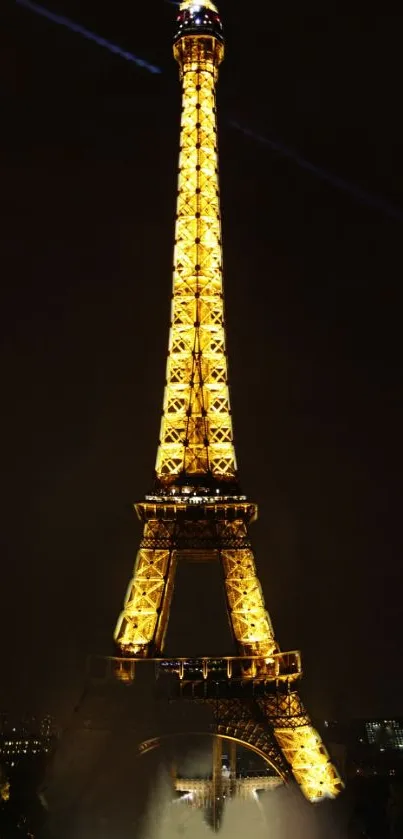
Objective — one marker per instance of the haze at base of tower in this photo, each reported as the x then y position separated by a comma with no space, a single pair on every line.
278,814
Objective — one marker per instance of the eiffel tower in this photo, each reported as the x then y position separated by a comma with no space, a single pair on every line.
196,511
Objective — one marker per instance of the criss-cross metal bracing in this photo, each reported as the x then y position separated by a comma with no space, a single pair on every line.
196,427
295,743
197,511
209,536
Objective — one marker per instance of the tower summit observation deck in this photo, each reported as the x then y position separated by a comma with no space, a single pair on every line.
196,509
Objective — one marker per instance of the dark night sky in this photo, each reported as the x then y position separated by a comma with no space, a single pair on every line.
88,169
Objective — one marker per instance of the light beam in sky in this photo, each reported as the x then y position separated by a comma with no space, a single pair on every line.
360,195
90,36
364,197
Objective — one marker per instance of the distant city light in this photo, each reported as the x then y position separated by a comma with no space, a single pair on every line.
390,732
31,737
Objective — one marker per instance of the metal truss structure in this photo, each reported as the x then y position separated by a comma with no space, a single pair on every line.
196,427
196,509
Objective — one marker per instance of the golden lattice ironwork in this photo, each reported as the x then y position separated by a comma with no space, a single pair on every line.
196,426
196,510
212,535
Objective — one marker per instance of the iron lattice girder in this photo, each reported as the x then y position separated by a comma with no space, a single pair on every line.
143,622
295,744
243,721
196,427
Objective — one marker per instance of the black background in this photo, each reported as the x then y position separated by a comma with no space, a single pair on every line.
312,276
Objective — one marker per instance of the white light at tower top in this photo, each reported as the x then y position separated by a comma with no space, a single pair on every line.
190,5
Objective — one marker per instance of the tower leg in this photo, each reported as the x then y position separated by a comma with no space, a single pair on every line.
217,794
232,766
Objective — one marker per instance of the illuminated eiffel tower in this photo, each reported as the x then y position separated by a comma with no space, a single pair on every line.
197,510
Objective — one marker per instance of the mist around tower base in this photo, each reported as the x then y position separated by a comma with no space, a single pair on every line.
280,813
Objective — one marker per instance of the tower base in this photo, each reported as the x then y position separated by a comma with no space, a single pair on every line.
99,777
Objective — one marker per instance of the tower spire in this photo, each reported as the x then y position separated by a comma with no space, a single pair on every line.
196,439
